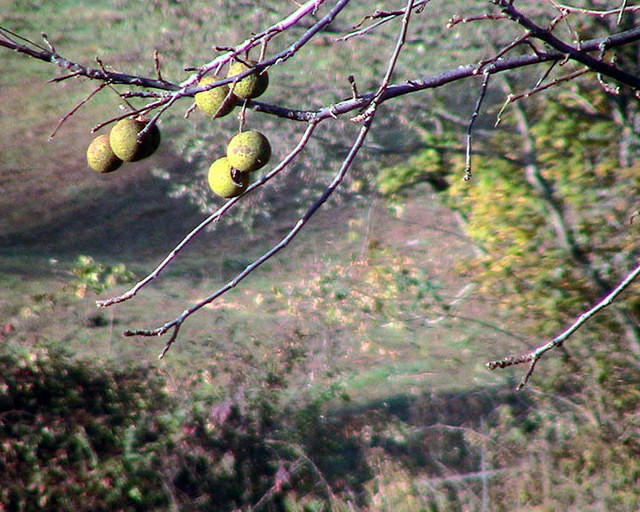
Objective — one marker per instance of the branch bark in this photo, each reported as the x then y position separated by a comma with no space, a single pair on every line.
340,108
347,163
577,54
534,356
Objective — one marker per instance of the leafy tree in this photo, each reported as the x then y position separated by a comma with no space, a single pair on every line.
553,217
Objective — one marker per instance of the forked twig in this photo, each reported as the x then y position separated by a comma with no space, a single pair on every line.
538,88
534,356
367,120
177,322
474,116
76,108
211,218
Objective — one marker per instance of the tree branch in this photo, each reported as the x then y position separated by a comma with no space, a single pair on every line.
367,120
8,40
533,357
176,323
211,218
441,79
342,107
573,53
566,237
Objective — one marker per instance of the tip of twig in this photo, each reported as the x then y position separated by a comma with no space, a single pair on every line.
190,110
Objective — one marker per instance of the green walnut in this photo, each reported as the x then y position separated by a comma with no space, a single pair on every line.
248,151
251,86
212,102
226,181
126,144
100,157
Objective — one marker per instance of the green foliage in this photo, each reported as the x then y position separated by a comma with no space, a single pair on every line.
89,275
428,164
76,436
63,430
552,225
571,459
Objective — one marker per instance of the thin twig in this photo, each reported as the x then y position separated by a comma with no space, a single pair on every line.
539,88
474,115
455,19
141,94
130,113
622,9
76,108
363,31
545,74
211,218
64,77
177,322
154,119
382,17
377,97
573,53
593,12
516,42
4,31
534,356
